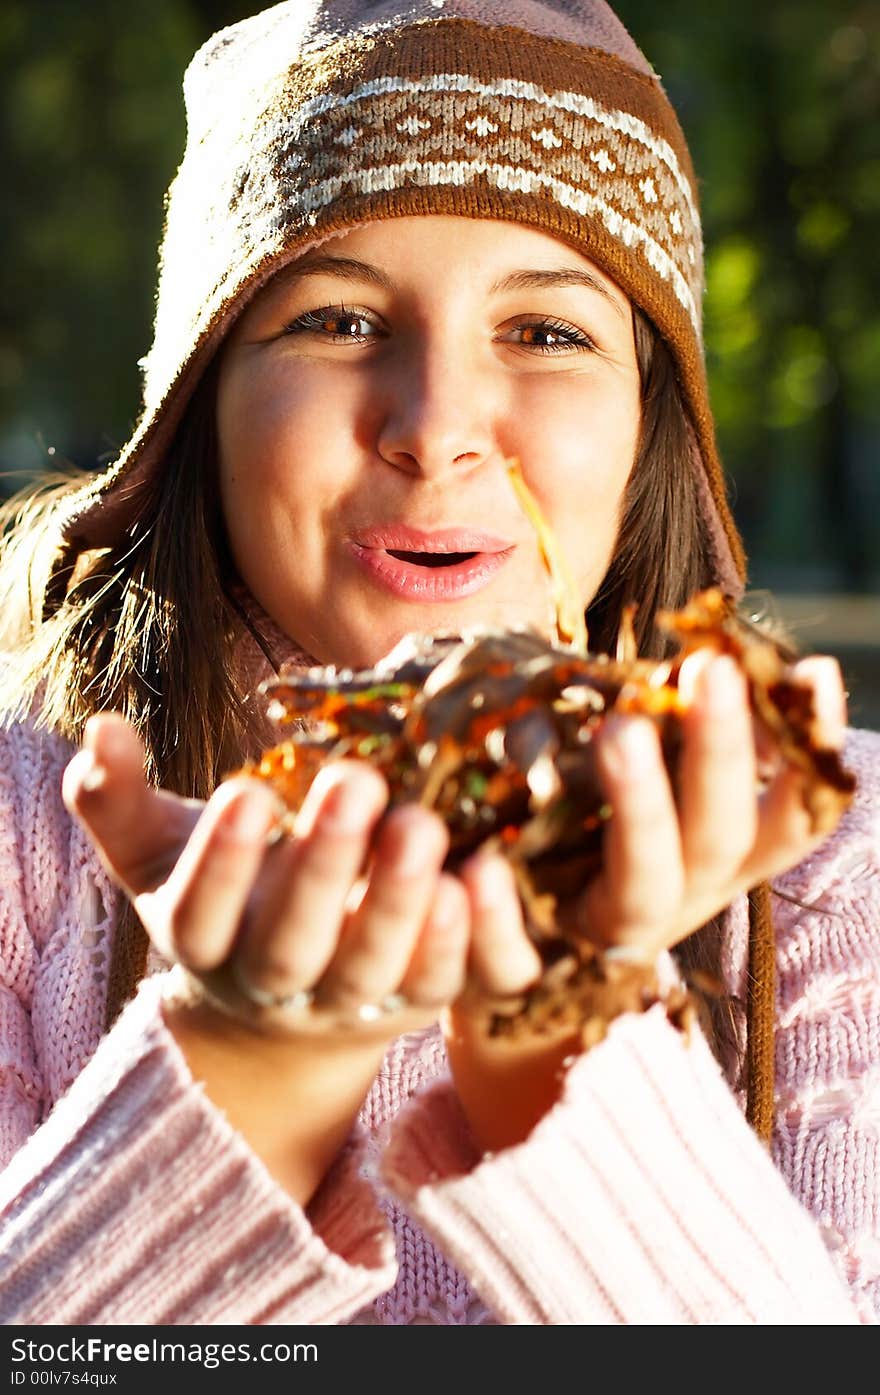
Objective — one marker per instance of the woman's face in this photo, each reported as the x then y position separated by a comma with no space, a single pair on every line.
369,400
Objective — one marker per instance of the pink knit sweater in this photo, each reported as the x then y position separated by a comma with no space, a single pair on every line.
642,1197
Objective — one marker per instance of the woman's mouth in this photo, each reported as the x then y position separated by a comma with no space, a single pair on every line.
442,565
431,559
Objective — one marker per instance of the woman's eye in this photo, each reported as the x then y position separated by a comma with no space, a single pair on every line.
549,336
336,323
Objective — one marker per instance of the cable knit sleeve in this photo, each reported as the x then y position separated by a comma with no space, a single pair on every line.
827,1137
127,1197
643,1196
21,1084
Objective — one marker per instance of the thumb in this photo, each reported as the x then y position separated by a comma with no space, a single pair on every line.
138,831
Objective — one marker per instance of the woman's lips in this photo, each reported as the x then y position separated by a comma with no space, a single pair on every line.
442,565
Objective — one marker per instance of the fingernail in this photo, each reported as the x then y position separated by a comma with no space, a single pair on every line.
692,668
446,911
335,802
491,881
94,775
250,817
344,809
721,684
410,843
628,742
83,774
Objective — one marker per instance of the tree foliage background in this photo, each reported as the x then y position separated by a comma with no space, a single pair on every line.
781,105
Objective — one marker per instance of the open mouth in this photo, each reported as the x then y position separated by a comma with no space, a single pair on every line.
437,566
431,559
416,574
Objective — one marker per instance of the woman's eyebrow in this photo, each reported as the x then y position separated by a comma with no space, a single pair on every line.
533,280
348,268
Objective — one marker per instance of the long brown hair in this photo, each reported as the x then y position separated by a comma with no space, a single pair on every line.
660,557
150,627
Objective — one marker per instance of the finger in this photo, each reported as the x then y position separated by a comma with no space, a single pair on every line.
438,967
717,773
137,831
503,960
195,914
785,829
299,913
822,673
642,880
380,939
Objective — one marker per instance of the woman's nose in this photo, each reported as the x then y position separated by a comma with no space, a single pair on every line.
439,413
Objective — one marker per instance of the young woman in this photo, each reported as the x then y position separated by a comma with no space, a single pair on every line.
246,1080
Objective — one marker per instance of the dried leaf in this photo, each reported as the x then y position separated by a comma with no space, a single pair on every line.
571,624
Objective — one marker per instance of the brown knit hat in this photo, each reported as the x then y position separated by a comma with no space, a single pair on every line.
317,115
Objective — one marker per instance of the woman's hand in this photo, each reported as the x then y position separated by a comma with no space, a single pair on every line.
329,933
305,956
672,860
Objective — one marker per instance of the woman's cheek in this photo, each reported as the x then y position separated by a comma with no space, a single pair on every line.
581,495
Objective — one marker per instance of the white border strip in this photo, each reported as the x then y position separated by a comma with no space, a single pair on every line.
573,102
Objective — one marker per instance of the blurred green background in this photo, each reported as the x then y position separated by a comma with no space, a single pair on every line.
781,104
